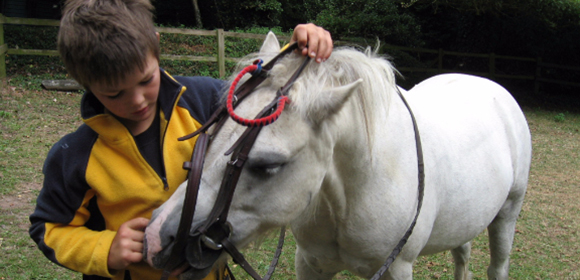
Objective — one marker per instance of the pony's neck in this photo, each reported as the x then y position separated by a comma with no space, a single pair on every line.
359,155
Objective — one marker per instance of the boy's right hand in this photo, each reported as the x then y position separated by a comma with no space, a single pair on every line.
127,247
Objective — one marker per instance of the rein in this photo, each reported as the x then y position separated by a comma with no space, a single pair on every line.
205,246
421,191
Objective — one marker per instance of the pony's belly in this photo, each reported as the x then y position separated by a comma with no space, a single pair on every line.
455,227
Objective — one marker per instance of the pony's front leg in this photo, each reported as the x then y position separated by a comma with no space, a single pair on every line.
305,271
461,257
399,270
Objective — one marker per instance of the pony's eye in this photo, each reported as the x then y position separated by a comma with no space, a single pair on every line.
267,169
267,163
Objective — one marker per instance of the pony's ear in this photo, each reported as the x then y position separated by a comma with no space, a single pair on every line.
271,44
333,101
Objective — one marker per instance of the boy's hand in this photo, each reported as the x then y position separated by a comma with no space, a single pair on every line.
318,40
127,247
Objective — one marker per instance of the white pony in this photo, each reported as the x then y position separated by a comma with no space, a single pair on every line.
340,167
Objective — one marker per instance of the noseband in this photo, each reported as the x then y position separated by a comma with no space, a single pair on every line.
205,245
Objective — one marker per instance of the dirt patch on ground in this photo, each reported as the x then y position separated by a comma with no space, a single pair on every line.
21,199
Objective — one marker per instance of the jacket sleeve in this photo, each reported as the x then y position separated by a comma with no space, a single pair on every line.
60,222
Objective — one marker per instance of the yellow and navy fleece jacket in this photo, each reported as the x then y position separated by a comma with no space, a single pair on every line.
96,178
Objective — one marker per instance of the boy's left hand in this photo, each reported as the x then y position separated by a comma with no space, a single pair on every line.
317,38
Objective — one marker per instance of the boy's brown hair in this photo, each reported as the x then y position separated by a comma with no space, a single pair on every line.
106,40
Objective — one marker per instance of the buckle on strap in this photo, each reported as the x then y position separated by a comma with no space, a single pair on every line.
210,243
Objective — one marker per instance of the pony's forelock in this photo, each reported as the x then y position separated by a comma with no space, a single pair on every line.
345,66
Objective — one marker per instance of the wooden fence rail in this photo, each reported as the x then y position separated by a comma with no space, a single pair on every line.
220,58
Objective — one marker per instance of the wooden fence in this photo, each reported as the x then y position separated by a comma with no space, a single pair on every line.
219,58
534,75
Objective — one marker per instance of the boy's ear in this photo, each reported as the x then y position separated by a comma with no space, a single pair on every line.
158,36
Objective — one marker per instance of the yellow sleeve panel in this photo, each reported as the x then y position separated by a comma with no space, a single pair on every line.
78,247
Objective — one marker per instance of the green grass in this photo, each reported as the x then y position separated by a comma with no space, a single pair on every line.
20,258
545,247
546,241
32,119
547,236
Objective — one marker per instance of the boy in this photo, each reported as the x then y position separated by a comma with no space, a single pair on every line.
103,181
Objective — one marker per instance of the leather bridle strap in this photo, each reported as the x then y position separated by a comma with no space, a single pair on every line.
228,186
240,152
421,191
219,116
195,167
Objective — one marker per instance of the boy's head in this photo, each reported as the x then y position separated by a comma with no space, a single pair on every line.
105,40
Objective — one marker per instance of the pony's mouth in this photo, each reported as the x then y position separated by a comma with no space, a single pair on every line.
196,263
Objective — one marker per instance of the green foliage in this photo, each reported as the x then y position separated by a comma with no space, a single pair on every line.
384,19
239,47
247,13
560,117
191,68
261,30
182,44
546,28
30,37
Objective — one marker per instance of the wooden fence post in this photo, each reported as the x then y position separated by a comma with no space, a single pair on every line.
3,50
221,52
492,66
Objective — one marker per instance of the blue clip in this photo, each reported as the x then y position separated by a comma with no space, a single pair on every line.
258,62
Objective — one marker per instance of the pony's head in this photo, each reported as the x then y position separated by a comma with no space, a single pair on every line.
292,157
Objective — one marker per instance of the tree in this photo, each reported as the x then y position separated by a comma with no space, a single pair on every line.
547,28
198,22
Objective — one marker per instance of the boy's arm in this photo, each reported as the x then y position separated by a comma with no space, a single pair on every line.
72,245
58,224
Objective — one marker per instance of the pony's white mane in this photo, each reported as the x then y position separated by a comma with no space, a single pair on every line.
346,65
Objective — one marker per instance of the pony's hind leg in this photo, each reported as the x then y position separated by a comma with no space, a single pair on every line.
461,257
501,236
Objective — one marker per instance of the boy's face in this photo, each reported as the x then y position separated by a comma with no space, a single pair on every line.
134,99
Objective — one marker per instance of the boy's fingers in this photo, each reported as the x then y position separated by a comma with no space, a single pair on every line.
318,40
300,36
313,47
132,257
327,46
138,236
136,247
137,224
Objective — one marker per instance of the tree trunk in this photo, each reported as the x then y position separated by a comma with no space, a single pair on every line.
198,22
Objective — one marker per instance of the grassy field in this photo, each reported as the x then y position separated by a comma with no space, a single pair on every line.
546,244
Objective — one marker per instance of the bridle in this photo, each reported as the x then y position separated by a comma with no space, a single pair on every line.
205,246
213,234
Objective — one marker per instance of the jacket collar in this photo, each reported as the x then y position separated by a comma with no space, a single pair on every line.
95,116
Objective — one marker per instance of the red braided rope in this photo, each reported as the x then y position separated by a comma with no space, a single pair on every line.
282,100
